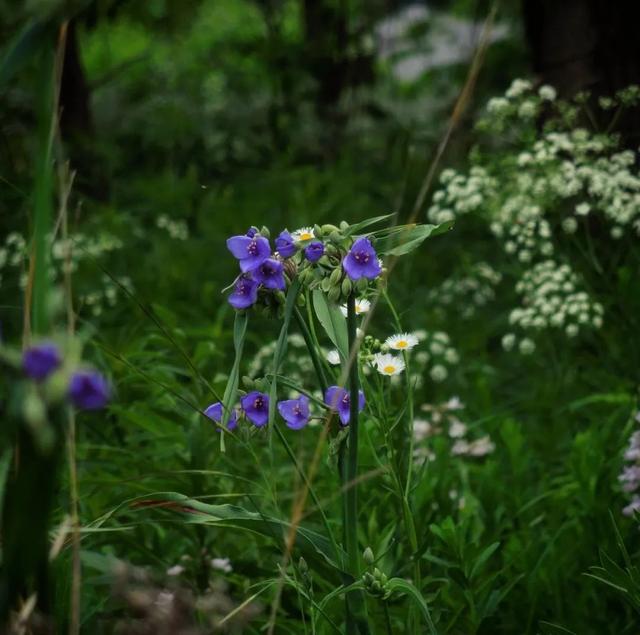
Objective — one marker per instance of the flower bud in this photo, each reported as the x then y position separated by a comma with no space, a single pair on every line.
248,382
344,225
265,232
301,301
317,230
336,276
346,287
328,228
325,285
377,574
368,557
361,285
335,237
334,294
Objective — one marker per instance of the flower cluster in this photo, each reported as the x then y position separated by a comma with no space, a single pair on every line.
177,229
86,389
67,255
547,189
443,420
630,476
552,299
467,293
326,257
296,413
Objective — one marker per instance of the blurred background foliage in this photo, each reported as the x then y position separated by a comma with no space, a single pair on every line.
187,121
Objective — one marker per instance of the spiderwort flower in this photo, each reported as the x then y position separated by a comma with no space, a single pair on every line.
285,245
314,251
270,274
362,261
214,412
256,406
338,399
250,251
295,412
245,293
39,361
88,390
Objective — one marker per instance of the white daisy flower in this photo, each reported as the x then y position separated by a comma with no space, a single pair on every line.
362,306
303,234
388,365
333,357
402,341
221,564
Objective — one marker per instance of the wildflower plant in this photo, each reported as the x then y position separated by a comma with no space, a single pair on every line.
327,277
550,194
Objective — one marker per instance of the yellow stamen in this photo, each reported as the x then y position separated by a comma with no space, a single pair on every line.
306,236
389,369
402,344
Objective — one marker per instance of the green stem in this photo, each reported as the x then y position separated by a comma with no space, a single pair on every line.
311,347
355,601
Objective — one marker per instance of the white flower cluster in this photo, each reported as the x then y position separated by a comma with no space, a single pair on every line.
552,299
443,420
469,292
439,357
544,186
67,255
176,229
630,476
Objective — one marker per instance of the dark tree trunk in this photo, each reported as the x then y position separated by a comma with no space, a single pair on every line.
587,45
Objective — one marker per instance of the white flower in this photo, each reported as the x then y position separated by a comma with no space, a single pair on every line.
303,234
221,564
421,429
454,403
457,429
527,346
333,357
438,373
570,225
362,306
518,87
388,364
548,93
402,342
583,209
481,447
176,569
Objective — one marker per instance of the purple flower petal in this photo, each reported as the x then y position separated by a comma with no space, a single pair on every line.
295,412
39,361
285,245
256,407
214,412
338,399
245,293
88,390
314,251
250,251
362,260
271,274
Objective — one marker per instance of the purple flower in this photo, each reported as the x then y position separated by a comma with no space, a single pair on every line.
314,251
244,294
88,390
270,274
285,245
256,407
362,261
252,231
338,399
250,251
214,412
39,361
632,507
295,412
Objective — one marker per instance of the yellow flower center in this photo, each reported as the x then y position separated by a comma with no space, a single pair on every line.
305,236
402,344
389,369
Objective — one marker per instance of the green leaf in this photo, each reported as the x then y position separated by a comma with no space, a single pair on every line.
405,241
406,588
358,227
231,391
332,321
312,545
